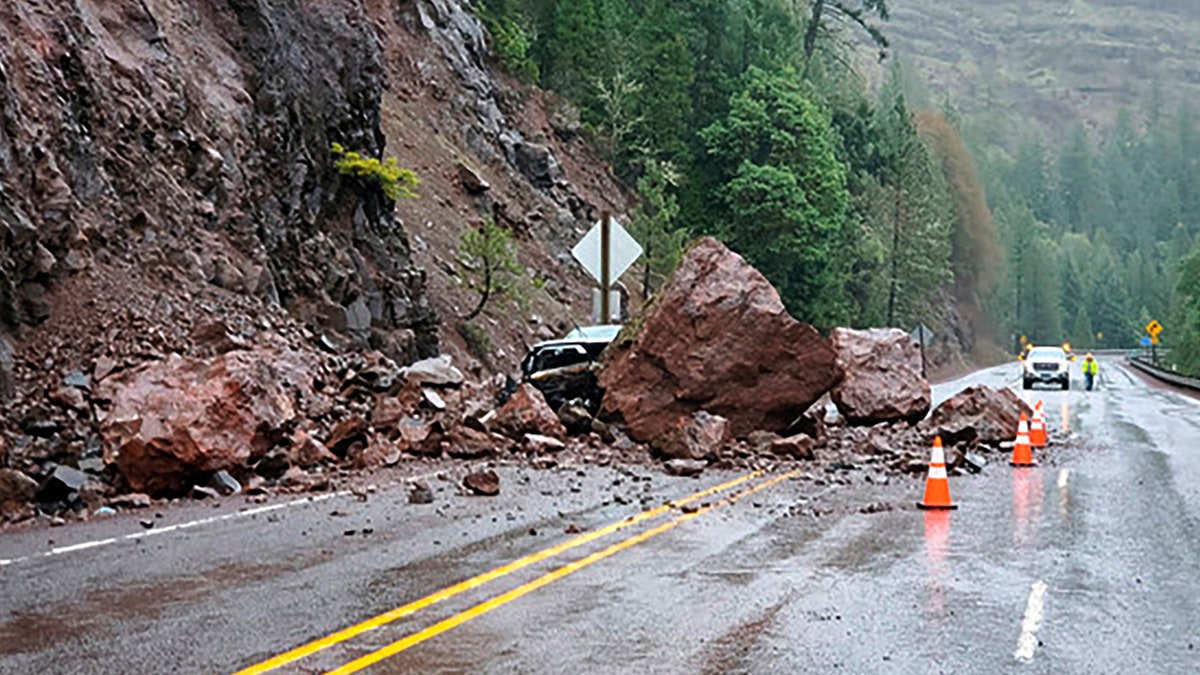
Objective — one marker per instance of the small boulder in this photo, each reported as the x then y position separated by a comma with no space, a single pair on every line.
16,487
536,444
133,500
697,436
274,464
418,437
307,452
420,493
70,398
467,443
471,181
483,483
526,412
685,467
347,435
173,422
434,372
225,484
61,485
977,415
575,417
799,446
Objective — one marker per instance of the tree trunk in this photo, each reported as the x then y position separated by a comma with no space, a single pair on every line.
891,313
811,30
486,293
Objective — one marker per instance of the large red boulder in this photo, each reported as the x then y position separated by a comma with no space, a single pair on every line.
718,339
883,380
172,423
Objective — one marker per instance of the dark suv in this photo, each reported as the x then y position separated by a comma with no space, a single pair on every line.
565,369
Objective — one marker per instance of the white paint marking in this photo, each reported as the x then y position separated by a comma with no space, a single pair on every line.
1062,478
195,523
1027,643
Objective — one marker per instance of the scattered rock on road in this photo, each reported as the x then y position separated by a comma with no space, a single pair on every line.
718,339
883,381
420,493
483,483
133,500
536,444
225,484
685,467
799,446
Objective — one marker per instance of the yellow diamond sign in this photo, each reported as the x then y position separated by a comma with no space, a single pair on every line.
1154,328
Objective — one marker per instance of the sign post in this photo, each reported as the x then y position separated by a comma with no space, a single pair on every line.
922,333
606,252
605,263
1154,328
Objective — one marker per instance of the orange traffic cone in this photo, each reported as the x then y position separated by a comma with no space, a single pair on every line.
937,485
1022,453
1037,428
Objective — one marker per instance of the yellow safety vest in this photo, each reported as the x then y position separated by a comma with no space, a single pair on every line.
1090,367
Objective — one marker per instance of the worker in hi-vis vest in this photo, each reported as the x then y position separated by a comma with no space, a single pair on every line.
1090,368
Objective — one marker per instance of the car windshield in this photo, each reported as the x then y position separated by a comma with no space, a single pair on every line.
1046,353
607,333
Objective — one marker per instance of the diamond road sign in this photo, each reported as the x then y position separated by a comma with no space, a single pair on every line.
922,333
1154,328
622,253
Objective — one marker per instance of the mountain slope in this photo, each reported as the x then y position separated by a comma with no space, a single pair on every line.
1052,62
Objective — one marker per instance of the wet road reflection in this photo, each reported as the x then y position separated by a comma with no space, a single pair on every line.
1027,502
937,550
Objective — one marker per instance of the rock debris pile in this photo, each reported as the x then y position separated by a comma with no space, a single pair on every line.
716,374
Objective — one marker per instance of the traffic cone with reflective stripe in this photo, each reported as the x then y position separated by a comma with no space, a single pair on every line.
937,485
1022,453
1037,428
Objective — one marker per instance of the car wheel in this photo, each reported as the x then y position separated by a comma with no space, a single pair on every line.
1027,384
1066,385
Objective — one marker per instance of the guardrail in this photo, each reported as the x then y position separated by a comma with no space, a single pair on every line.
1164,375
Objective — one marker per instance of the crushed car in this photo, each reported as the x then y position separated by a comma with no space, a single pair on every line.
565,369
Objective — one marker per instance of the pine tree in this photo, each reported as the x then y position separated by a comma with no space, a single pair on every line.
784,193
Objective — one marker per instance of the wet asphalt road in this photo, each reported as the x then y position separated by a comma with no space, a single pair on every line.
792,578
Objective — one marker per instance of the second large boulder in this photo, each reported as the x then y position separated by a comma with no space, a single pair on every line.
719,339
883,380
173,423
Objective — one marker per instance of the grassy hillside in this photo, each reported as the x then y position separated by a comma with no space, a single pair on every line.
1052,61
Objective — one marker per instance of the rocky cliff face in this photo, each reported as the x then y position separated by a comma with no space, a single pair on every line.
191,141
167,187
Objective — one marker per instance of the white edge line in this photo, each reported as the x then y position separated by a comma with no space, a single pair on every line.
312,499
1027,643
1063,476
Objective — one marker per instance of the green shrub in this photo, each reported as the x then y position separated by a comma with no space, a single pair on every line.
396,182
488,258
511,45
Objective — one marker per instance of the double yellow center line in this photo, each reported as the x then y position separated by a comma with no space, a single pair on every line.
489,605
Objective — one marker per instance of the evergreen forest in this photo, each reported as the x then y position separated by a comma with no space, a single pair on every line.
870,204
